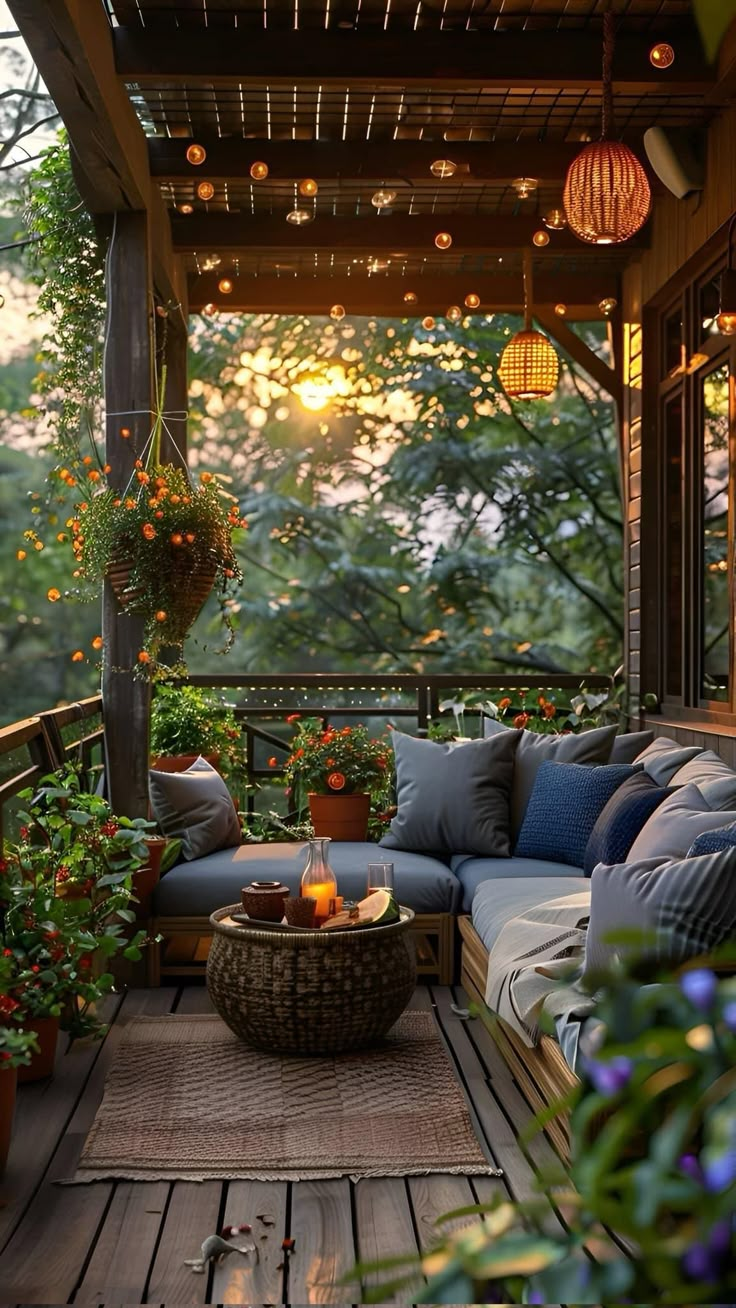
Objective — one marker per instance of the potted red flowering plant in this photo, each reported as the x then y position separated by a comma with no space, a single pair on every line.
339,770
65,894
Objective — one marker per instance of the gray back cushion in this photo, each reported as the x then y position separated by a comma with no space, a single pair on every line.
195,806
715,780
453,798
673,827
688,905
628,745
535,749
664,757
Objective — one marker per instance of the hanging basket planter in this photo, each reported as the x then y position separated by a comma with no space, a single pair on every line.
185,586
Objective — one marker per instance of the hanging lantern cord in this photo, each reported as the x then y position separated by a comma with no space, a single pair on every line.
527,264
609,43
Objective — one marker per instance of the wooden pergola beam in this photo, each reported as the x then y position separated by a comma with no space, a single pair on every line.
453,60
230,158
71,45
597,368
382,295
394,235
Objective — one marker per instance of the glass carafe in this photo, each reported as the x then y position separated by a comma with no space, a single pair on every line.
318,879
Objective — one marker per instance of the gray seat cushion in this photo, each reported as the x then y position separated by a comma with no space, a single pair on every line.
497,902
197,888
473,872
679,820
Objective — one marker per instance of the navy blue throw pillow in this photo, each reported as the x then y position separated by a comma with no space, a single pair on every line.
564,807
712,842
622,819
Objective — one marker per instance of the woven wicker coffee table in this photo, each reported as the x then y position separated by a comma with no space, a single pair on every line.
310,992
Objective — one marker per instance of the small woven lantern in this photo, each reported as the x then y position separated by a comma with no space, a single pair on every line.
606,197
529,368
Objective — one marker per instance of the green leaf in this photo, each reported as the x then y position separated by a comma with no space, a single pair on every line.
78,818
714,17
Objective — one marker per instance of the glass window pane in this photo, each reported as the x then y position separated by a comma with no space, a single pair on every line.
673,344
716,647
709,303
673,545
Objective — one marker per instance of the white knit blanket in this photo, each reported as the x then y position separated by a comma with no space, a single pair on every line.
530,961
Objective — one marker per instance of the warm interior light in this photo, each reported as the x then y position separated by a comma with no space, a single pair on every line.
540,239
443,168
205,190
225,286
209,310
472,301
560,310
726,319
555,220
529,368
259,170
410,297
662,55
454,313
525,186
443,240
726,323
308,187
337,312
608,306
318,389
196,154
186,208
299,217
383,199
428,323
210,262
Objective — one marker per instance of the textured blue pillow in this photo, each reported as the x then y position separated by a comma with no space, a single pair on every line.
622,819
712,842
564,807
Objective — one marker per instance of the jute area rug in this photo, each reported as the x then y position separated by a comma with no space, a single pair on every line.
186,1100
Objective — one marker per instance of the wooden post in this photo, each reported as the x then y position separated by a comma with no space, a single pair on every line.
129,402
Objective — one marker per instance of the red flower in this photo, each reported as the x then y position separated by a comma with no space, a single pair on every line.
272,762
24,833
293,717
521,720
109,828
3,865
35,968
549,710
8,1005
336,781
504,703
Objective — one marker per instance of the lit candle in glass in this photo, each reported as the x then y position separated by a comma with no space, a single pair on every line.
318,879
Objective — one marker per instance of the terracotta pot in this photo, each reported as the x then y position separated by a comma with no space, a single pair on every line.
342,817
190,580
264,900
180,762
147,877
8,1080
46,1030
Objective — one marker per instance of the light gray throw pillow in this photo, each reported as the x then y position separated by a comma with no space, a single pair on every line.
628,745
664,757
196,807
673,827
451,798
715,780
535,749
686,907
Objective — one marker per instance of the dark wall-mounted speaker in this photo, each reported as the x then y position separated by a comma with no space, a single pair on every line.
677,155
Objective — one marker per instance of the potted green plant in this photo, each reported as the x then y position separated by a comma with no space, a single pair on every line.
66,890
339,771
187,722
16,1048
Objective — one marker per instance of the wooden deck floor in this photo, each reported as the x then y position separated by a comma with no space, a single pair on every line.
125,1243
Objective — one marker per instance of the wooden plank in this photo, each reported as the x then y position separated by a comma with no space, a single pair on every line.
434,1196
195,999
571,343
64,1220
122,1255
448,59
384,1227
192,1215
322,1227
258,1279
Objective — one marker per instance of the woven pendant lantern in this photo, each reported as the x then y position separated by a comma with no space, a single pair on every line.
606,197
529,368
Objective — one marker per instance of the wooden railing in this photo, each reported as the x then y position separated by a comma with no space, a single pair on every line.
37,745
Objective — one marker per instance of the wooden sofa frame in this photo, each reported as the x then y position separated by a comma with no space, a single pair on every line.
185,941
542,1074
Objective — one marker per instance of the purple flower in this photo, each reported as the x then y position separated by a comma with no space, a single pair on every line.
611,1077
729,1015
535,1297
690,1165
720,1172
700,987
719,1238
700,1264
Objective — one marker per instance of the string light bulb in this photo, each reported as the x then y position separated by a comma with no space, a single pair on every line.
443,240
225,286
205,190
560,310
209,310
410,297
337,312
607,306
555,220
525,186
308,187
540,239
383,199
186,208
211,262
662,55
472,301
454,313
259,171
428,323
196,154
443,168
299,217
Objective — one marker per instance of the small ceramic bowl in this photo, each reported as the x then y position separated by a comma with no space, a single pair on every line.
299,911
264,900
